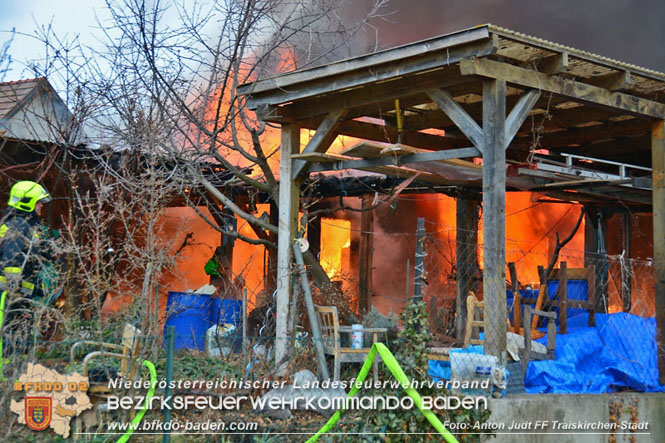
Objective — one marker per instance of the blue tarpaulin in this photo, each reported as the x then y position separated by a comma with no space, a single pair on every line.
618,354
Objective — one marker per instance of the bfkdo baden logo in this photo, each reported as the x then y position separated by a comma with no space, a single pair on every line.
37,412
50,399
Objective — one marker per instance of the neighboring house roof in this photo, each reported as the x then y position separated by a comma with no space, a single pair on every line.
31,110
12,94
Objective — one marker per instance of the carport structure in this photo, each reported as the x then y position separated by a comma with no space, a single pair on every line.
487,93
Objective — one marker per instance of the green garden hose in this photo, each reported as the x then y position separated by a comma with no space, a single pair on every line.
137,419
399,374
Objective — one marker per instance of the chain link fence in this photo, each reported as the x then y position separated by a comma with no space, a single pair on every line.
576,322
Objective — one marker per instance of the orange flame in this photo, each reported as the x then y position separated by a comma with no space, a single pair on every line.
335,247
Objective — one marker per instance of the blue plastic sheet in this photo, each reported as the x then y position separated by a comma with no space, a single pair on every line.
618,354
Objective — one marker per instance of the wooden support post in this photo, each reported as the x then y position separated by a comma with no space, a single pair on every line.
433,315
288,219
591,282
459,116
590,236
311,313
494,211
626,268
562,293
271,271
322,139
526,356
420,262
543,296
602,267
365,255
658,196
226,220
593,258
517,308
466,248
170,340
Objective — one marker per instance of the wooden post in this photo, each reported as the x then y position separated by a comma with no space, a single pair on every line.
311,313
365,255
563,297
517,304
271,271
466,246
244,327
658,201
526,356
433,315
590,236
170,339
288,219
227,221
543,296
593,222
494,211
626,269
420,262
602,268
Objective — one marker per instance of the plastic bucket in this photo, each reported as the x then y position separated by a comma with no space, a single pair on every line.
357,336
190,315
226,311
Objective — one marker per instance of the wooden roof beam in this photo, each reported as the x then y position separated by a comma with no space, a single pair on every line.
560,118
370,100
323,137
575,90
590,134
458,115
616,81
553,64
519,114
311,83
389,134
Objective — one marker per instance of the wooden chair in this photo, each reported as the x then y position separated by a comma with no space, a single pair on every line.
560,299
330,335
127,351
474,322
526,354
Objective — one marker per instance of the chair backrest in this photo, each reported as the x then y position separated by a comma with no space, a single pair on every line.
329,326
471,304
130,343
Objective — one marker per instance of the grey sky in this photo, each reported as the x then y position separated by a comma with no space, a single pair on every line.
628,30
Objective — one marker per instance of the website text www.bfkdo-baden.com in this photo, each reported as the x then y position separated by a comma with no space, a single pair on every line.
184,426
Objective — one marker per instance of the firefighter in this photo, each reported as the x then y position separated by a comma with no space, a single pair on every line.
22,251
21,237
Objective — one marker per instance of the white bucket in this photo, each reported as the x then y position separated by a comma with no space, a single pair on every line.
357,336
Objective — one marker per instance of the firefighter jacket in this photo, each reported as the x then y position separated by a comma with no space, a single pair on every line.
23,246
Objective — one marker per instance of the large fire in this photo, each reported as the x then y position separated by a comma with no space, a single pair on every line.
531,228
335,247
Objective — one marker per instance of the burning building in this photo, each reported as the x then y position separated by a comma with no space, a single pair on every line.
471,119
